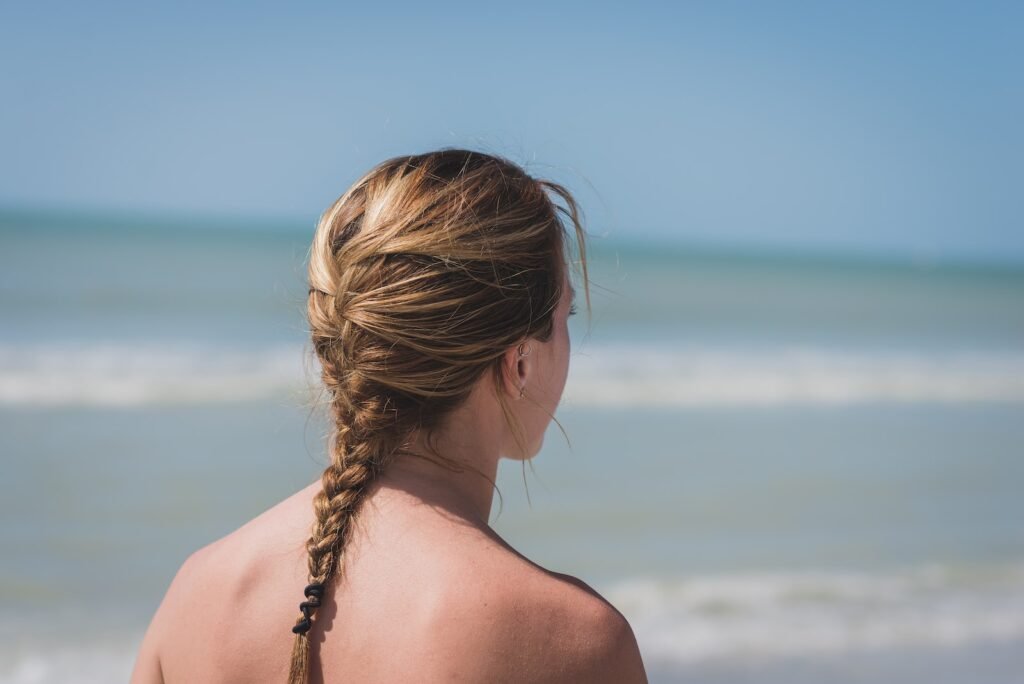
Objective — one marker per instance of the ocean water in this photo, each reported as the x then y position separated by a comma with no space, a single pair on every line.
781,468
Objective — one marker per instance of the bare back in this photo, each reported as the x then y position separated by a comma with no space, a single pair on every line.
423,596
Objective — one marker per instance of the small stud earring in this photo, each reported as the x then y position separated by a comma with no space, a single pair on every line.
522,391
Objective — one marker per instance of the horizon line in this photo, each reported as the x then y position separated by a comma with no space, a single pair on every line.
288,225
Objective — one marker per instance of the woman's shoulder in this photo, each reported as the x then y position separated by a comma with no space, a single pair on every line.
265,551
519,621
270,544
222,579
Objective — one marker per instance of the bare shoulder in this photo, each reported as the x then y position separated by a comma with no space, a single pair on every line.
269,543
214,584
541,626
595,641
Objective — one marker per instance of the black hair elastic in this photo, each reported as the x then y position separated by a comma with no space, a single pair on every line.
314,592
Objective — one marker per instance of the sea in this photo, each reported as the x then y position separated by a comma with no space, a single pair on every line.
782,466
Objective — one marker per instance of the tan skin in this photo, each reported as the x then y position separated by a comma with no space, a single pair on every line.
428,591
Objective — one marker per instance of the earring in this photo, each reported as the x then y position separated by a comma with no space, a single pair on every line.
522,391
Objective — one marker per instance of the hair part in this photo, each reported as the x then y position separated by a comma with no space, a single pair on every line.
421,276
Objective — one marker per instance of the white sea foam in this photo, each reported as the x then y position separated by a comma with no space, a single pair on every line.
98,663
656,376
133,375
684,621
117,374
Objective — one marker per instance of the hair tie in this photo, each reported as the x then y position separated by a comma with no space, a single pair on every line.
314,592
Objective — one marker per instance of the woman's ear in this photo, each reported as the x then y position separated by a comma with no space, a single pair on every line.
516,369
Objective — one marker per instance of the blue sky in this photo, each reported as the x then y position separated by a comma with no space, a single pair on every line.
882,127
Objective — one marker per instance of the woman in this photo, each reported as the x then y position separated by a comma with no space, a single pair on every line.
439,297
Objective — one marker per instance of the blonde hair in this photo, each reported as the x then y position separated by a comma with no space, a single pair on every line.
421,276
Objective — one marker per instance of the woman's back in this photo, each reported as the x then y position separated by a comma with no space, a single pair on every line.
425,597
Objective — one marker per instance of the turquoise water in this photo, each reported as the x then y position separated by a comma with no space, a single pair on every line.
782,467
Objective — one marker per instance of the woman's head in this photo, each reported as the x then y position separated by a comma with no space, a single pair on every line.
423,274
434,274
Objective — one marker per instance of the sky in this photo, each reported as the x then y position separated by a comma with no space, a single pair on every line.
884,127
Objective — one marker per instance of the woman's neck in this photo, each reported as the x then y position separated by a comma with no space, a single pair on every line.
473,445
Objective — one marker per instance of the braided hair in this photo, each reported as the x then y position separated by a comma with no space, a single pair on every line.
421,276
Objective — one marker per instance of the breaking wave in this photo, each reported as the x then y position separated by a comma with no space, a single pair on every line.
119,374
759,616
